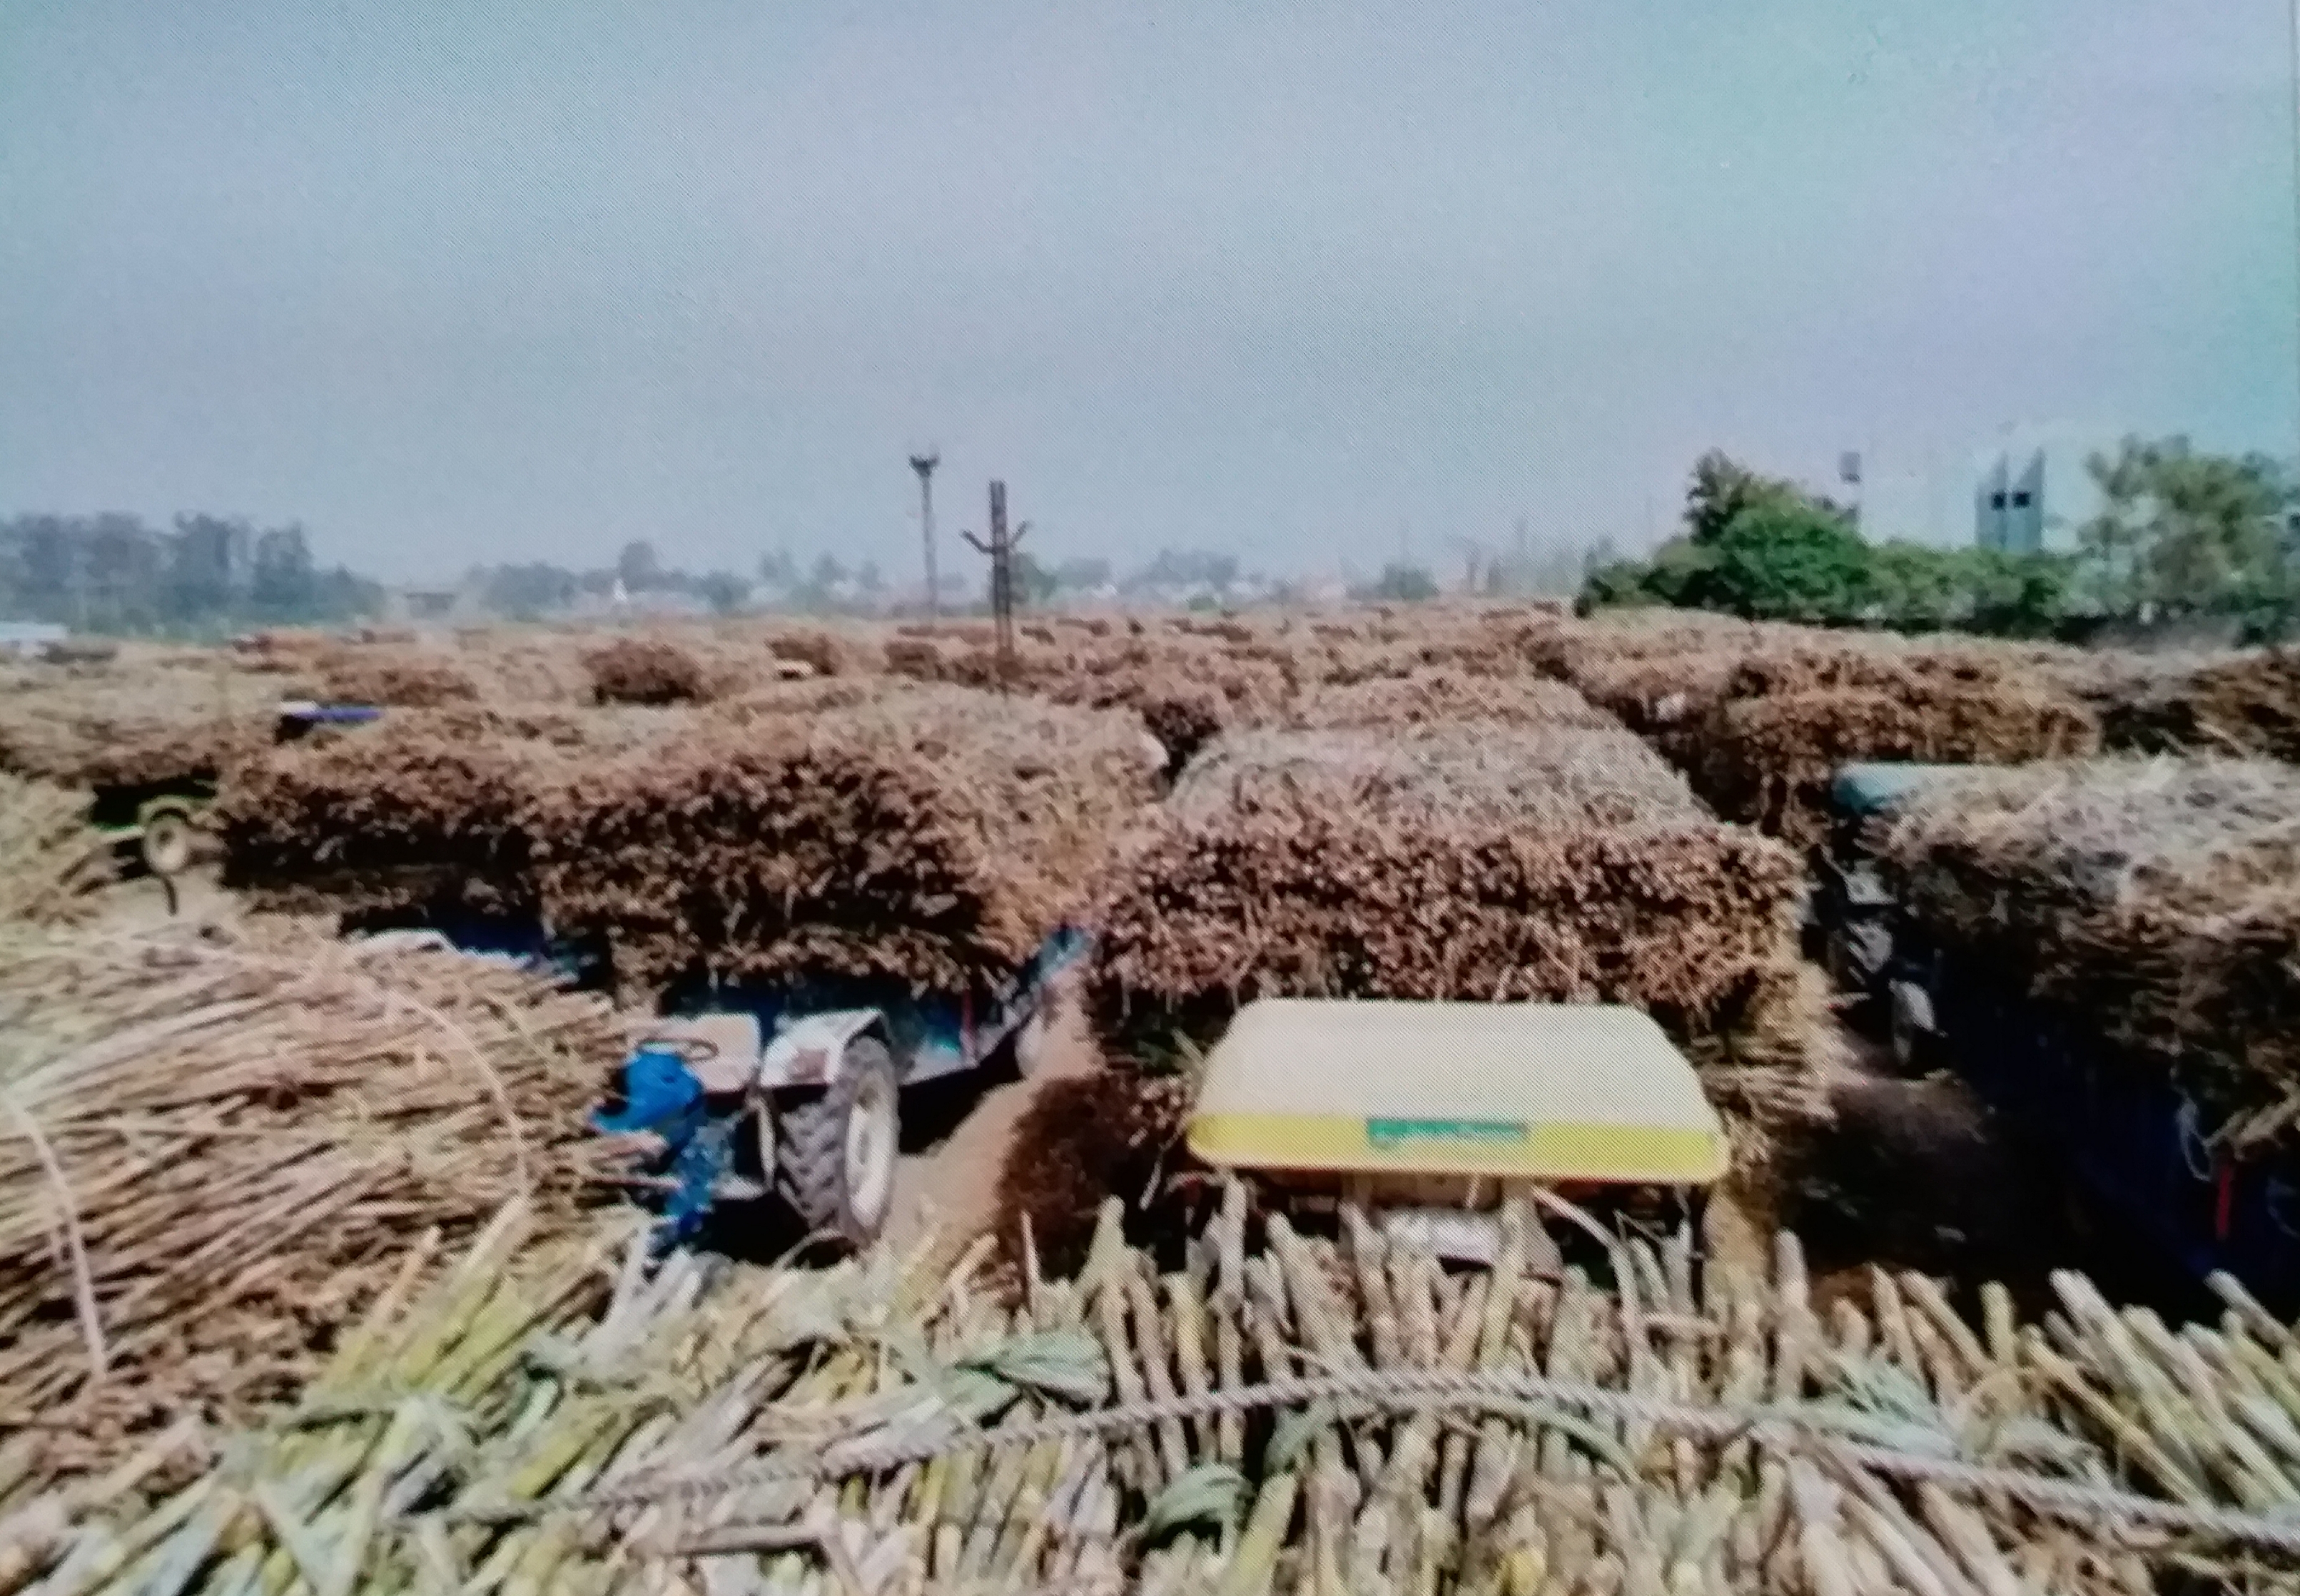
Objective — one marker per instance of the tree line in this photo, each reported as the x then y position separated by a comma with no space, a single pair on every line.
204,574
2179,535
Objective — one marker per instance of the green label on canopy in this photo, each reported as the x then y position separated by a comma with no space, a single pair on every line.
1386,1134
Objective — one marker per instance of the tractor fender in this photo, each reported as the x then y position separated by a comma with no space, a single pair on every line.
812,1052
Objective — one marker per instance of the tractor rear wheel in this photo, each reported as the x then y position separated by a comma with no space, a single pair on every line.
838,1162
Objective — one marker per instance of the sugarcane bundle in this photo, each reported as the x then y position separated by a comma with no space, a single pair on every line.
1636,1419
1184,702
641,671
525,665
404,811
1432,695
213,1141
1860,663
1456,860
934,838
812,695
2158,898
917,658
821,653
2247,704
1767,761
50,859
413,678
139,723
426,807
1666,701
1565,648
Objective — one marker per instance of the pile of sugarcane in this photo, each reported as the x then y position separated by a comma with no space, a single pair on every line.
404,677
934,838
1280,1412
2248,704
50,859
2158,898
645,670
1464,860
213,1140
136,721
427,807
1768,759
1430,695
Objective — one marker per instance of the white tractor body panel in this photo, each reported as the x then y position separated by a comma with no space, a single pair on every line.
810,1051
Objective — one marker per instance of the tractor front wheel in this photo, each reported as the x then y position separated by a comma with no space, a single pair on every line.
838,1163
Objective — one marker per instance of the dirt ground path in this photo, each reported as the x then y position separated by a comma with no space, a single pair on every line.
951,1182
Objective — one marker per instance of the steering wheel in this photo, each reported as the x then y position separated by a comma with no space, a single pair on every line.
687,1050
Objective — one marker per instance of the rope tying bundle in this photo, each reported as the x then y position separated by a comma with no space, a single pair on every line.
1775,1427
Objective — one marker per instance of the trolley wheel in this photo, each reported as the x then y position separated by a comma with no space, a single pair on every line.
167,844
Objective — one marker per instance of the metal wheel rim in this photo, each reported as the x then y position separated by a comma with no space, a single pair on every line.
1903,1030
167,845
871,1148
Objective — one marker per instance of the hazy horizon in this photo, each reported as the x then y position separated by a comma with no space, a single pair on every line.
452,288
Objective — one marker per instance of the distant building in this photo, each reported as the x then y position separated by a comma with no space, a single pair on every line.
2027,490
421,603
2008,505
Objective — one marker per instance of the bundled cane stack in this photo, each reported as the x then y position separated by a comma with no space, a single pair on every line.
934,838
212,1141
644,672
137,723
399,678
1278,1411
1768,759
50,860
2158,898
1430,695
437,808
2249,703
1464,859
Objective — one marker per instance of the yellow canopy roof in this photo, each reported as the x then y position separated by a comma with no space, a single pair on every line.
1534,1091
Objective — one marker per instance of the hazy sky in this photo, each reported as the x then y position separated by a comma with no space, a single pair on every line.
454,280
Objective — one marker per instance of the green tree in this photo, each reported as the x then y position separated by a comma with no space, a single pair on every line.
1722,489
1401,582
637,565
725,592
2186,532
1617,584
529,592
2017,596
1034,585
285,585
1785,561
1918,587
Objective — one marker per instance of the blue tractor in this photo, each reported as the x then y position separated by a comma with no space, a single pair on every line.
796,1090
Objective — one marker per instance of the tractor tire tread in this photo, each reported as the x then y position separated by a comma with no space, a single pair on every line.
811,1162
813,1145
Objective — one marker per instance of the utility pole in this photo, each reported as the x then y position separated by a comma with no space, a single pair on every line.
1001,550
924,465
2296,153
